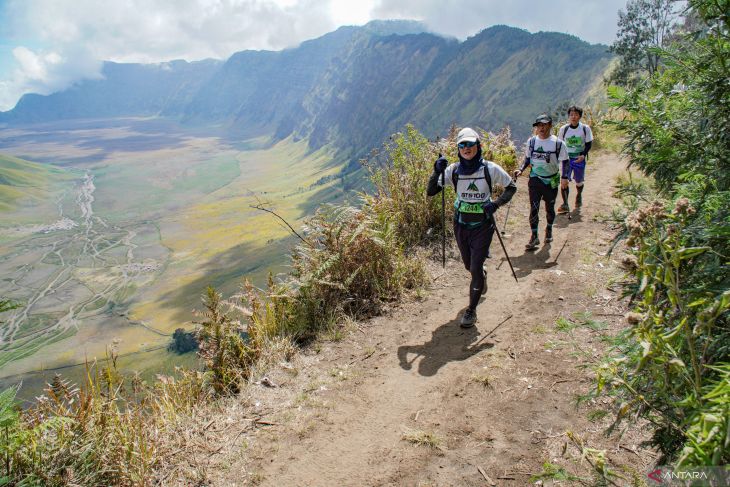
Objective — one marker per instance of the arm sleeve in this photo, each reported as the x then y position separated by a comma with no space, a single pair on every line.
434,182
507,194
588,147
434,187
525,163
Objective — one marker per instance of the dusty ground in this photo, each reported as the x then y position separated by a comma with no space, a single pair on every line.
411,399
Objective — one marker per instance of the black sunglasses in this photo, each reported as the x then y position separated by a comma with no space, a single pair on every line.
466,144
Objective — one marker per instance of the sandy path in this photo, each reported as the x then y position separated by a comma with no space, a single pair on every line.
415,370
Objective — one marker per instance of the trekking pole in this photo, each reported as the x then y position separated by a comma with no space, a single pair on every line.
443,218
496,230
506,217
443,213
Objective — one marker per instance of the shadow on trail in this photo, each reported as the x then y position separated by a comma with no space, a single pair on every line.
562,221
449,343
527,262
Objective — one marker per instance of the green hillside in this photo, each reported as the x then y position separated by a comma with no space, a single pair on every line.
25,183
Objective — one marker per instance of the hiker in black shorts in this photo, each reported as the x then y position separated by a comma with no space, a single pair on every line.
472,177
545,154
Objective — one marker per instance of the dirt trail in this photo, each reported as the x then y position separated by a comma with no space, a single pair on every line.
498,397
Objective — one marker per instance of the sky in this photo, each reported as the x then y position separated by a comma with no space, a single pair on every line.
47,45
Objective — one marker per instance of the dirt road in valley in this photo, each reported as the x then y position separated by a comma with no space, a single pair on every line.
495,402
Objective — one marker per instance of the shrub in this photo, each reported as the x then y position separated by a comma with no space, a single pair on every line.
223,347
399,201
354,265
183,341
672,369
110,430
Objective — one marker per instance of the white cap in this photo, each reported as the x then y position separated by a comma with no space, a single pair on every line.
467,135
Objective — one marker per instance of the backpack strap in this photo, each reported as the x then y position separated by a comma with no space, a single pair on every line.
565,131
532,145
488,177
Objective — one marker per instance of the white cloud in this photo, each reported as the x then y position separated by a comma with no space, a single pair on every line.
45,72
76,34
591,20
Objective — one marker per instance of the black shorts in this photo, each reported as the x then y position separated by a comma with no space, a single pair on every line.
474,244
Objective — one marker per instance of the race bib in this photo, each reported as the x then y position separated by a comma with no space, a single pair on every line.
471,212
470,208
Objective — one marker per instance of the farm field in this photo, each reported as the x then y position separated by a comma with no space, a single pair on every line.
140,216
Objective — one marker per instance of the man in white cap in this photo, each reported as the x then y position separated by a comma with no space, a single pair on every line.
472,178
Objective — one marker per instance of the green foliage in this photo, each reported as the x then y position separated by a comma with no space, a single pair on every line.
645,26
8,305
673,369
579,320
183,341
550,471
223,347
708,433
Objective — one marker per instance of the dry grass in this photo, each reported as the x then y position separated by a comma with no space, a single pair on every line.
423,438
482,379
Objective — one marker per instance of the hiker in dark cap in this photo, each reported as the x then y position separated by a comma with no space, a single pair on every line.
545,154
472,178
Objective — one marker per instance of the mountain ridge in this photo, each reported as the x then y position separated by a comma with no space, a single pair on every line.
351,87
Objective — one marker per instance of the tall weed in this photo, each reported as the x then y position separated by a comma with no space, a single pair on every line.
110,430
355,265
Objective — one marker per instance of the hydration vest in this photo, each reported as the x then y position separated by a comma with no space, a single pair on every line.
471,213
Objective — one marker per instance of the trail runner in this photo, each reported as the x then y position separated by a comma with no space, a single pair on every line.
473,179
544,153
578,138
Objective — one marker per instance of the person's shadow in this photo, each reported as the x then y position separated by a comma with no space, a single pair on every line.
527,262
449,343
562,221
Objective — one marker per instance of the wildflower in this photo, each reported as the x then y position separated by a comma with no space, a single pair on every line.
683,207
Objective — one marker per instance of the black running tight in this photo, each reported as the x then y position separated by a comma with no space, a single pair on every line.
474,248
540,191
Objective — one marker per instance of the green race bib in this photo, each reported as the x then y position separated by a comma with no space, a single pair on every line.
465,207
